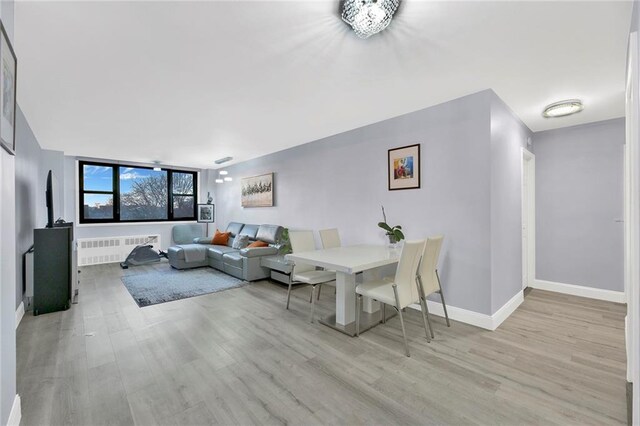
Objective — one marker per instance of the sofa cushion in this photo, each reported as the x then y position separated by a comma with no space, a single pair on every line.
184,234
233,259
270,233
250,231
240,242
234,228
221,238
216,252
258,244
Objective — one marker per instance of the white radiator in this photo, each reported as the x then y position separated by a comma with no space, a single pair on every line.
94,251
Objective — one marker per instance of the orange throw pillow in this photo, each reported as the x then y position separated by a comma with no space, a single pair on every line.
220,238
258,244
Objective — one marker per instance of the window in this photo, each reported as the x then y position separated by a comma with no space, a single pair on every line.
117,193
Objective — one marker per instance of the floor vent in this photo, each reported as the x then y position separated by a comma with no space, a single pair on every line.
95,251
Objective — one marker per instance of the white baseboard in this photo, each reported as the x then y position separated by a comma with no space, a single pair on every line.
488,322
579,290
16,412
507,309
19,314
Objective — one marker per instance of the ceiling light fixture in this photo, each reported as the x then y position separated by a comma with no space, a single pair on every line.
157,167
227,179
223,160
219,181
223,172
563,108
368,17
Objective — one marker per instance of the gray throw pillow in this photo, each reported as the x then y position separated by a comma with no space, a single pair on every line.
240,242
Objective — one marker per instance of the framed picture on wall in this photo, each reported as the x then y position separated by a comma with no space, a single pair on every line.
8,67
404,167
206,213
257,191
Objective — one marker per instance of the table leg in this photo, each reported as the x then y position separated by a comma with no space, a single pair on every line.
370,305
345,298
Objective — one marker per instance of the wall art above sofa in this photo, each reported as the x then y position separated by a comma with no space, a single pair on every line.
257,191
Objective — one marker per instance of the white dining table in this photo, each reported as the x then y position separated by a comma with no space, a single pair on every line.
348,262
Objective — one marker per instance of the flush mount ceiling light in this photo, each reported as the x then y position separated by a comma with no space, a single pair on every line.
563,108
368,17
223,172
227,179
219,180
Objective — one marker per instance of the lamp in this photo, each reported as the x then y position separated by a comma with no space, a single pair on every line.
368,17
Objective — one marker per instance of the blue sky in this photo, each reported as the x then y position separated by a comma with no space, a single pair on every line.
99,178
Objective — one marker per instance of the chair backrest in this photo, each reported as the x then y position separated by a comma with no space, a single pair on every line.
185,234
330,238
302,241
429,264
405,277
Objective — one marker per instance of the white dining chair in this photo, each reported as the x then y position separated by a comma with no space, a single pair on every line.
399,293
429,280
302,241
330,238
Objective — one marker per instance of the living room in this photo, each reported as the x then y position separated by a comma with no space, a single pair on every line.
535,264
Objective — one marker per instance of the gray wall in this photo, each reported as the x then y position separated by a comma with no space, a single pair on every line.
7,261
579,205
29,194
508,136
341,181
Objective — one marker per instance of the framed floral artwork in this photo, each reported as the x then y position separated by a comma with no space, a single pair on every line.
404,167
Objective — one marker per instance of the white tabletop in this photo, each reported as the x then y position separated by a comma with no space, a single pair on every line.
350,260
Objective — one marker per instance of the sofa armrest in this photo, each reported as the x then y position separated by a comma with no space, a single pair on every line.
202,240
258,251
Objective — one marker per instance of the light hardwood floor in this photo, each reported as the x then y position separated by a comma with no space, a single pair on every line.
238,357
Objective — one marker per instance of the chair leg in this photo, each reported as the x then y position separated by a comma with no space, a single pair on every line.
426,310
404,333
288,295
311,295
427,328
313,303
444,305
384,312
319,290
358,301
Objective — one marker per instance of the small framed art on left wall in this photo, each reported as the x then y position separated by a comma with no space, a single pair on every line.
8,86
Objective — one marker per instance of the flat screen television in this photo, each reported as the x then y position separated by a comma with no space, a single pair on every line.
50,200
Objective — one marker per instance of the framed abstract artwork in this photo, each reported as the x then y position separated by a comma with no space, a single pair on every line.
206,213
257,191
404,167
8,66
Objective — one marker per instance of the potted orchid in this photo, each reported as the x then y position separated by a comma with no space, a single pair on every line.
394,233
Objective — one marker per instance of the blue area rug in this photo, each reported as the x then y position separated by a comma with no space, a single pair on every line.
164,284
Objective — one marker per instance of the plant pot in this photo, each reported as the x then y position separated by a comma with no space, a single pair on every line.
392,239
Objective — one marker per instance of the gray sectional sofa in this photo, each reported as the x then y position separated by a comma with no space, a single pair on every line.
194,250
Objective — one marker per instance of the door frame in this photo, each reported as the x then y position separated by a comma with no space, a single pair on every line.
632,223
528,214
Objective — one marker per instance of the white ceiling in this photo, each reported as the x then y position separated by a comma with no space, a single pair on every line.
186,83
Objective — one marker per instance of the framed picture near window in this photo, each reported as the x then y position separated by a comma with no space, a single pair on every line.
8,66
404,167
206,213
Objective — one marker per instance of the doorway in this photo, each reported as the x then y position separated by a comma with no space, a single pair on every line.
528,218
